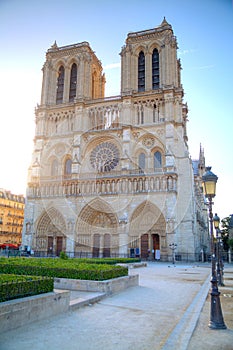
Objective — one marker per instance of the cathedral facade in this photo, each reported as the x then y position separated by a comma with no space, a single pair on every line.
113,176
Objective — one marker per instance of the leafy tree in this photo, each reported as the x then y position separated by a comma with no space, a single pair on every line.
227,226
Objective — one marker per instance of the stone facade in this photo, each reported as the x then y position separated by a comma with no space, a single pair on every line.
113,176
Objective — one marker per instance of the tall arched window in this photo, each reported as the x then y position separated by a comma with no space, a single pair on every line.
141,72
68,167
54,168
60,85
142,161
73,82
155,69
157,160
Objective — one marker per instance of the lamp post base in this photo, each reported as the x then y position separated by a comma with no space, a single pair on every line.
216,317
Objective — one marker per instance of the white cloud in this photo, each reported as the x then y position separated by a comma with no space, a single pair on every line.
112,66
186,51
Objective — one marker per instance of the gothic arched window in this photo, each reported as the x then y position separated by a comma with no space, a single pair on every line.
54,168
68,167
141,72
157,160
142,161
105,157
60,85
73,82
155,69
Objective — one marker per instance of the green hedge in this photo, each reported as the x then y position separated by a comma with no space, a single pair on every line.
110,261
71,268
14,286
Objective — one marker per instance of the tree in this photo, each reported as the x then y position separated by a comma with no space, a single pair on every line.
227,232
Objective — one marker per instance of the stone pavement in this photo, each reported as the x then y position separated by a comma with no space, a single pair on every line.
168,310
205,338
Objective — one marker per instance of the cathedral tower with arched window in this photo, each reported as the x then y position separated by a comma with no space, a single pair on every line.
113,176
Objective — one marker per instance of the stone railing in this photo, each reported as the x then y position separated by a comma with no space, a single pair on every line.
107,185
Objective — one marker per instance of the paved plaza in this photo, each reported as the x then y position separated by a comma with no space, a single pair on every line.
168,310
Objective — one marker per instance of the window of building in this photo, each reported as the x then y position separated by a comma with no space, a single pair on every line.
141,72
105,157
155,69
154,113
157,160
142,161
73,82
54,168
60,85
68,166
140,114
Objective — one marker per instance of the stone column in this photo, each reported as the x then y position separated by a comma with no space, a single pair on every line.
123,237
45,83
148,66
80,78
66,85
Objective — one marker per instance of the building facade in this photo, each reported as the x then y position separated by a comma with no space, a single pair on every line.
113,176
11,218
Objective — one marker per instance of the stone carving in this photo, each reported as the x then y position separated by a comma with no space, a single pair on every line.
105,157
148,142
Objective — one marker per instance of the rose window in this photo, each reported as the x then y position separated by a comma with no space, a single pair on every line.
104,157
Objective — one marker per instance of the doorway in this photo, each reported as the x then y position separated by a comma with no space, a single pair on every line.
96,246
106,250
156,246
59,245
144,246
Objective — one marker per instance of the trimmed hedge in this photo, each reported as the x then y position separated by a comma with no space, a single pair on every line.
110,261
71,268
14,286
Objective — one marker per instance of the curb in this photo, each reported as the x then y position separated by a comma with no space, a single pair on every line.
180,337
77,304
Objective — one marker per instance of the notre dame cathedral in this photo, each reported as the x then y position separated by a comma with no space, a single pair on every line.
112,176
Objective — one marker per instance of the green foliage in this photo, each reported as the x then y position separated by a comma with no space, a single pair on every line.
63,255
230,242
110,261
71,268
225,223
14,286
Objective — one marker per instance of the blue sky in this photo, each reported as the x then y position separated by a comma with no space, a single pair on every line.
204,31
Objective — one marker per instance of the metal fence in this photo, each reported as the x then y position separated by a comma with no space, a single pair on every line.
179,257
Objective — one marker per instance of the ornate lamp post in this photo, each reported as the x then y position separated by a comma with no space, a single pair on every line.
173,247
216,221
209,181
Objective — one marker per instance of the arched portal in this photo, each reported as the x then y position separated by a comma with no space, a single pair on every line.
96,230
147,230
50,233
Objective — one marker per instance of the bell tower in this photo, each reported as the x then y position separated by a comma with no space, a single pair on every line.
149,60
71,73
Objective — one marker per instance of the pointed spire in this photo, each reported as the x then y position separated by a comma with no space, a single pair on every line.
164,23
201,158
54,46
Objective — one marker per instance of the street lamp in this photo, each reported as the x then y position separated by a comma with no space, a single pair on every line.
216,221
173,247
209,181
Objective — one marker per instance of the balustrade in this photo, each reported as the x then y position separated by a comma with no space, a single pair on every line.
108,185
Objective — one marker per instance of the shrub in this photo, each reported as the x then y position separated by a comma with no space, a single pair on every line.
14,286
71,268
63,255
